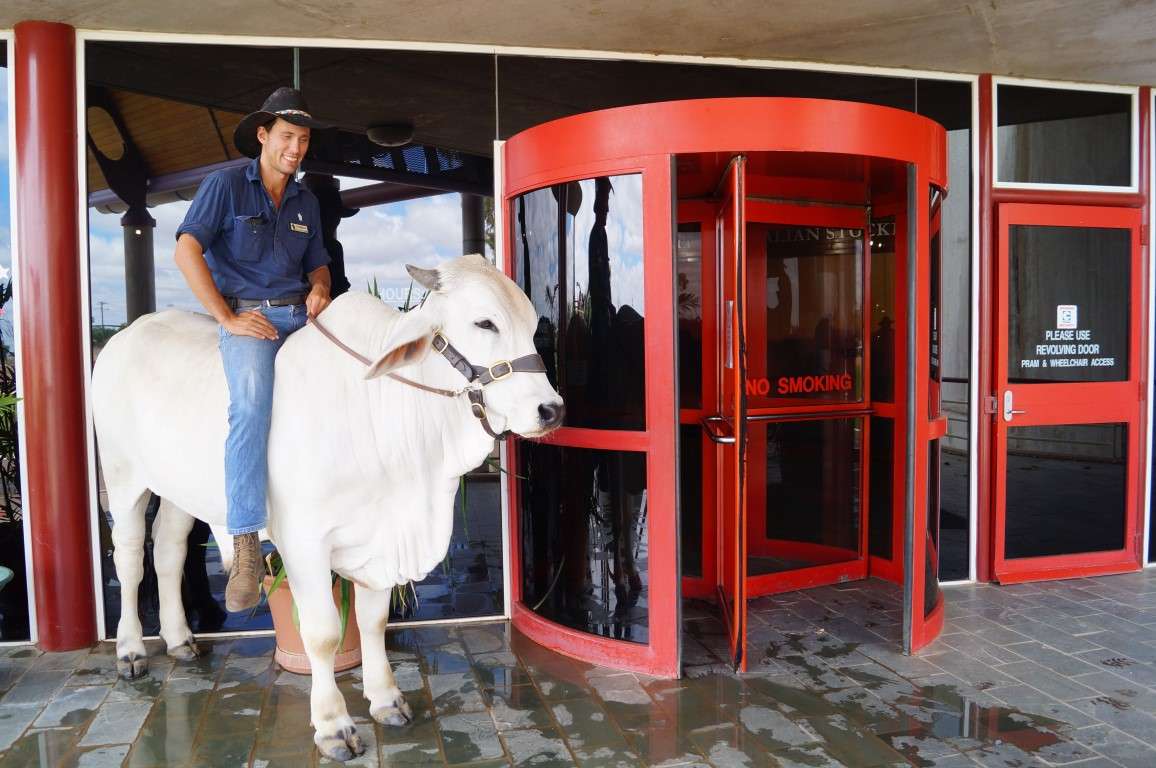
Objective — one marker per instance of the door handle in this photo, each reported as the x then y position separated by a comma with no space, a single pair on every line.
719,430
1008,411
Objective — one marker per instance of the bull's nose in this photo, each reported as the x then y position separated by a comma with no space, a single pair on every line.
551,414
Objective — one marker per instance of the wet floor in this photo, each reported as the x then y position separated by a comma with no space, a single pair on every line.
1051,674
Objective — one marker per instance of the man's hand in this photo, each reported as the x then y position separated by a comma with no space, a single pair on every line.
251,323
317,300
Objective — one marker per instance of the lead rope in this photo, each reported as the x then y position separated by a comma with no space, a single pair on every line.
477,407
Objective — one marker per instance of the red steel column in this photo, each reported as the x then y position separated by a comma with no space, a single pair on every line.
48,281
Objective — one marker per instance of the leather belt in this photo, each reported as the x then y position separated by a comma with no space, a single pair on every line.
236,303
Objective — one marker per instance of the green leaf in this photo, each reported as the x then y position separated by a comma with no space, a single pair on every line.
346,602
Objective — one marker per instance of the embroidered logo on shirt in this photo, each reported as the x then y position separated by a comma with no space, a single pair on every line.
299,227
299,216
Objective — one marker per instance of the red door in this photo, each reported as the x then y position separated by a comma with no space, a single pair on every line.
1069,396
728,429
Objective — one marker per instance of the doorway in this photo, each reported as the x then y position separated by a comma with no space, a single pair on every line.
800,263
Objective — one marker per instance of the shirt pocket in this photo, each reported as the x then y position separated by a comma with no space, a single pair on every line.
295,245
249,234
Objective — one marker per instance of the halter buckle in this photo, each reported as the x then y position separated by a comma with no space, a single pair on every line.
506,368
439,342
479,410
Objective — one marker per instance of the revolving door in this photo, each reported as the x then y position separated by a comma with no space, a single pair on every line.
737,299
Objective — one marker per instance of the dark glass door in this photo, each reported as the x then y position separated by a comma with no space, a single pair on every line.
1069,395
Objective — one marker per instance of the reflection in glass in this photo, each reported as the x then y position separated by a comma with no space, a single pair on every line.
690,498
584,538
811,480
688,267
578,256
1069,300
883,282
933,352
14,620
931,555
1066,489
812,310
881,485
1061,136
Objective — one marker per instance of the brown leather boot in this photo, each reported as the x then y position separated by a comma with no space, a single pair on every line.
244,588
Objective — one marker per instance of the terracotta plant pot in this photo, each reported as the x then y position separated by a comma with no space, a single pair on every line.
290,652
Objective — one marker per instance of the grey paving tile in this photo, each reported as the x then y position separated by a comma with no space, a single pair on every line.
469,737
538,747
1116,746
13,722
72,706
1060,686
35,687
117,723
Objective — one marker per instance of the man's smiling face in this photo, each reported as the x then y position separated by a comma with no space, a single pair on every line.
283,146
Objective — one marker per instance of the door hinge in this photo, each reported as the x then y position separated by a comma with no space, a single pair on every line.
990,406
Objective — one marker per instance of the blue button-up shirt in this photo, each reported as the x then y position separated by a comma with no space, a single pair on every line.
254,250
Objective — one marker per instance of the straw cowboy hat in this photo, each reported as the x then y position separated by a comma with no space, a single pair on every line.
285,103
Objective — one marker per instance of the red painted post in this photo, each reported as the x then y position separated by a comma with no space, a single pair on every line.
48,281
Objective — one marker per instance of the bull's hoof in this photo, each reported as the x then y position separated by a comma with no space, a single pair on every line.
186,651
341,746
132,666
393,715
397,714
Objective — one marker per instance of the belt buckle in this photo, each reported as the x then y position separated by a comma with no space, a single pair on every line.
503,364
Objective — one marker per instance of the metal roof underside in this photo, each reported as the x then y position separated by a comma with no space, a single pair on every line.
1107,41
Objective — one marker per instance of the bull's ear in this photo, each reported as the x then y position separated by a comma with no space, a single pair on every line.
426,278
410,343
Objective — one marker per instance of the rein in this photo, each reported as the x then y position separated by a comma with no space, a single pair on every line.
477,376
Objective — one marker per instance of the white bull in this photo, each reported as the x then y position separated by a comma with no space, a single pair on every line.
363,468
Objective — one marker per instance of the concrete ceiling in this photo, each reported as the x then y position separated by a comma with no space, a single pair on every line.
1104,41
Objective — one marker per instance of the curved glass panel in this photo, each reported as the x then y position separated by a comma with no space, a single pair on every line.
583,538
688,275
881,488
931,556
578,256
812,299
811,493
883,282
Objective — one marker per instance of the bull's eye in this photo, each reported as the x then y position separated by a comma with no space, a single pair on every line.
486,325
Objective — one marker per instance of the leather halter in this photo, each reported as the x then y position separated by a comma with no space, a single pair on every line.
477,376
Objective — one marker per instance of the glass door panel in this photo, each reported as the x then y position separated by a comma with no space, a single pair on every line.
1067,501
729,428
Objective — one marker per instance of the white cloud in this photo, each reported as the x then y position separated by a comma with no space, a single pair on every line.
378,243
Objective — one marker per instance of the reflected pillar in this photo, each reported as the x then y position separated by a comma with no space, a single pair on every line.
139,273
473,225
48,280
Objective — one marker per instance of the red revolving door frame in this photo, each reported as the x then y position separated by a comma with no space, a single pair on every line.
590,214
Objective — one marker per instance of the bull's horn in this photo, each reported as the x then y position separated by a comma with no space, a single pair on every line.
426,278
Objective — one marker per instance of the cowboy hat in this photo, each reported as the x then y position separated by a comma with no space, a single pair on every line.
285,103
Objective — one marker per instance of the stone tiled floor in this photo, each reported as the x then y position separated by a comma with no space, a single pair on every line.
1061,673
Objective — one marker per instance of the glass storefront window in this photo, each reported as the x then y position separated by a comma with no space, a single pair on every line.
14,620
583,538
1063,136
578,256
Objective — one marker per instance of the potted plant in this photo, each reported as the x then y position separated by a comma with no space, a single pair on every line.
290,653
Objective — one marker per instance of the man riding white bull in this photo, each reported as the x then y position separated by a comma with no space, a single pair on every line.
251,250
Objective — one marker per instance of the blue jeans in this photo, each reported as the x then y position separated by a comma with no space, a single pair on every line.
249,373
